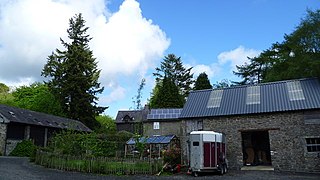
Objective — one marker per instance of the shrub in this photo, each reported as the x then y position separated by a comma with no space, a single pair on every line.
172,156
24,148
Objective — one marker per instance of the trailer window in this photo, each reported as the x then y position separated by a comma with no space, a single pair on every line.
195,143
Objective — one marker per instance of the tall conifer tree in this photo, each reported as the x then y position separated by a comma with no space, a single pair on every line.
74,75
202,82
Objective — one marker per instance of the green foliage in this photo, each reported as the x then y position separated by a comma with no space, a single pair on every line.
83,144
172,68
24,148
5,96
4,88
225,83
74,75
72,143
172,156
298,56
37,97
107,124
99,165
139,145
202,82
123,136
168,96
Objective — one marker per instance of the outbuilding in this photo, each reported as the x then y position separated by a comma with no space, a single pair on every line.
273,124
17,124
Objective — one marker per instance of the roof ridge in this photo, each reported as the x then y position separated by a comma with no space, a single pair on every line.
259,84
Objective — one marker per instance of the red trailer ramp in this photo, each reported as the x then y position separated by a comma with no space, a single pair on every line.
207,152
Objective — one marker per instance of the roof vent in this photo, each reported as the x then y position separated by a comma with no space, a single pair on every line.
12,113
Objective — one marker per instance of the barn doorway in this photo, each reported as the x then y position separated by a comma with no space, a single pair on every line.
256,148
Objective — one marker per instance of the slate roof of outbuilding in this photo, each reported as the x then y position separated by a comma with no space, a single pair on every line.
135,115
18,115
274,97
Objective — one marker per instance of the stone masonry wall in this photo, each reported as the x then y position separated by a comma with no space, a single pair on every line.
3,132
287,133
166,128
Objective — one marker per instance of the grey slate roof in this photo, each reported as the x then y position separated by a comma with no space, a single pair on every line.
274,97
134,115
13,114
164,114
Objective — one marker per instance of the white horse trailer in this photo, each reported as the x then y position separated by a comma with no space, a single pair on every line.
207,152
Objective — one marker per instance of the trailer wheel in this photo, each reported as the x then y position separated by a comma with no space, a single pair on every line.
225,168
195,174
221,171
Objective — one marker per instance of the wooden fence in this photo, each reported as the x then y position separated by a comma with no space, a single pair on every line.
101,165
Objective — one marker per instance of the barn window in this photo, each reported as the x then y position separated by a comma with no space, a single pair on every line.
253,95
156,125
313,144
215,98
295,91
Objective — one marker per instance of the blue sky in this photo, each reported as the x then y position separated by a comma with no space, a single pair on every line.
131,37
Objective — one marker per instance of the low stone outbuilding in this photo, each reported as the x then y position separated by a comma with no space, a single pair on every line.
275,124
18,124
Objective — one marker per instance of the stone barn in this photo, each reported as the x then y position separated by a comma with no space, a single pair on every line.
273,124
19,124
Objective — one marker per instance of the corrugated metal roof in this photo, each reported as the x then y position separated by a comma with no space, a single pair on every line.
153,140
13,114
164,114
274,97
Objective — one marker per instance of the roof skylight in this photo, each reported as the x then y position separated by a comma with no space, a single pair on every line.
215,98
253,95
295,91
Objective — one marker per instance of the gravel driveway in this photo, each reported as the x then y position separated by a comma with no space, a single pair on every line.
14,168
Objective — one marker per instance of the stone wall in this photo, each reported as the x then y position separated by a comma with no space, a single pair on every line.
11,144
166,128
3,133
287,133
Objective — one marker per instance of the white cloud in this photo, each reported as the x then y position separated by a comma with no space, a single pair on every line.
124,43
237,56
117,93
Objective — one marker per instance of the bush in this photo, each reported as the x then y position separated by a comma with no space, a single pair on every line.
93,144
24,148
172,156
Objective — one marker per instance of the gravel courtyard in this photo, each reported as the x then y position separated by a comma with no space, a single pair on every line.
14,168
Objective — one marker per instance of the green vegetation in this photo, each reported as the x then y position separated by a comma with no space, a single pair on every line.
202,82
167,96
172,68
107,124
74,75
24,149
100,165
